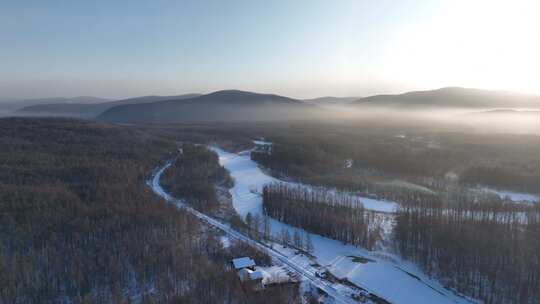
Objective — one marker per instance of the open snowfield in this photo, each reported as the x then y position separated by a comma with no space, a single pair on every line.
250,179
380,272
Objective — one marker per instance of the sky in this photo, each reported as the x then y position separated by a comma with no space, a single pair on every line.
300,48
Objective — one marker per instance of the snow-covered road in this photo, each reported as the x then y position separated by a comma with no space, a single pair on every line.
307,273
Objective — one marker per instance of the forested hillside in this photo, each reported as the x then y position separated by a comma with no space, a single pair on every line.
220,106
78,224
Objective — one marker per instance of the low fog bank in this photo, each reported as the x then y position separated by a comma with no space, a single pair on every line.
483,120
513,121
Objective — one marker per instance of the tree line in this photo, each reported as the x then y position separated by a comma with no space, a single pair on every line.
336,217
502,178
489,250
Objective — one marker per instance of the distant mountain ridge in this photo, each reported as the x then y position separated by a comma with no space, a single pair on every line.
227,105
17,104
506,112
239,105
91,110
452,97
331,100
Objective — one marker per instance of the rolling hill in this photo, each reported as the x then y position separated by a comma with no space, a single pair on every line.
229,105
451,97
11,105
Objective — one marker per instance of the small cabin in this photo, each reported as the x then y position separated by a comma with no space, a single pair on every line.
260,277
262,146
243,263
247,273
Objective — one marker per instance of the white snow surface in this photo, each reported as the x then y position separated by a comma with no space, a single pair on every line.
385,274
262,142
274,275
514,196
225,242
250,179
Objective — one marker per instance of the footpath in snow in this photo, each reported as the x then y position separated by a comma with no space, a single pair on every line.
381,273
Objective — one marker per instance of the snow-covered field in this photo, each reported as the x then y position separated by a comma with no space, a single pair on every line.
250,179
382,273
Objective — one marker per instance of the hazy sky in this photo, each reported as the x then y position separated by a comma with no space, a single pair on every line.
297,48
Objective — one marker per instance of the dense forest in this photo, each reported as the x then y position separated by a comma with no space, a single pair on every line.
502,178
193,176
489,250
78,224
416,151
317,164
336,217
315,153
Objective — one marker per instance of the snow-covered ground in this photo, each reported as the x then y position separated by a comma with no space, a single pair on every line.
513,196
406,185
262,142
250,179
274,275
382,273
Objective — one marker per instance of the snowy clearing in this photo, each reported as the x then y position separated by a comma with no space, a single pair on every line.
385,275
250,179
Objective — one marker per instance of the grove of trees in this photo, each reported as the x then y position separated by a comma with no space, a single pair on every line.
339,218
193,176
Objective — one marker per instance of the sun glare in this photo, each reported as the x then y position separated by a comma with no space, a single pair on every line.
486,44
